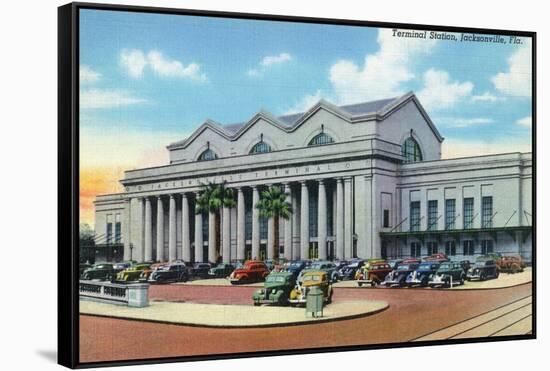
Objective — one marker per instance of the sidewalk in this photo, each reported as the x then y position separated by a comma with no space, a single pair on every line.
213,315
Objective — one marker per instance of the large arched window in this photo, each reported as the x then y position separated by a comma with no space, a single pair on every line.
411,150
261,147
321,139
207,155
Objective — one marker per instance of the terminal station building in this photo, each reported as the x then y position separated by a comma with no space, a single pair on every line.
364,180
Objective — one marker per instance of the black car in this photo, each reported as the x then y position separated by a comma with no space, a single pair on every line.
398,276
99,271
201,270
295,267
482,270
348,272
423,274
221,270
174,272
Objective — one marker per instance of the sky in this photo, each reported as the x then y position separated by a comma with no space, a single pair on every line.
147,80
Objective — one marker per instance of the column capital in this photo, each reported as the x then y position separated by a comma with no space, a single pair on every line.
303,183
184,195
172,196
347,178
321,181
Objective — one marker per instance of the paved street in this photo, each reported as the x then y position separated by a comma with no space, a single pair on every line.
413,314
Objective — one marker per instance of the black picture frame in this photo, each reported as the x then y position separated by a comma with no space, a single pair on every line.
68,179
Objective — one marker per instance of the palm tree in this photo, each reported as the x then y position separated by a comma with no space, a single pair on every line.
273,204
211,199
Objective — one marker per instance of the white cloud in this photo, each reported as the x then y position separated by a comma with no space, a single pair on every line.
135,61
275,59
305,102
383,73
486,97
457,122
453,148
517,80
88,75
440,92
526,121
105,98
267,62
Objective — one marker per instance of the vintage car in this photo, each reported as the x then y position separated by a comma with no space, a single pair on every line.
482,270
394,263
295,267
398,276
221,270
310,279
437,257
253,271
510,264
449,274
145,273
133,273
348,272
201,270
171,272
120,266
276,290
99,271
373,273
366,265
423,274
322,265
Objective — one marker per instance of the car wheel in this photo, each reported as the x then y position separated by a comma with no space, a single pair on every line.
256,304
482,277
462,280
360,284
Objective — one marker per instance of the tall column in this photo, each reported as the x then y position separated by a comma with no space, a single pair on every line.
295,225
270,238
160,229
241,235
255,224
126,222
212,237
148,231
172,235
199,256
322,221
185,235
288,226
226,235
339,219
304,223
348,219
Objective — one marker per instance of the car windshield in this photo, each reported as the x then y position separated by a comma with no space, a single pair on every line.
481,263
445,266
273,279
295,264
426,267
403,267
353,265
103,266
312,277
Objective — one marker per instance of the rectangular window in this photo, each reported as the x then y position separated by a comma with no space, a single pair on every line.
386,221
468,246
486,212
432,247
263,228
118,229
415,249
487,247
450,248
313,212
450,212
109,233
414,216
432,215
468,213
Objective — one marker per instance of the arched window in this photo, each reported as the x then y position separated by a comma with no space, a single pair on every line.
261,147
207,155
321,139
411,150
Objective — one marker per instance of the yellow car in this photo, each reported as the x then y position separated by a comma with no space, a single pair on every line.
308,280
132,273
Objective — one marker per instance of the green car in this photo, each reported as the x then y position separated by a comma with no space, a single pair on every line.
221,270
100,271
447,273
276,290
132,273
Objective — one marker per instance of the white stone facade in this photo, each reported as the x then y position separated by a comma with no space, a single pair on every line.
367,191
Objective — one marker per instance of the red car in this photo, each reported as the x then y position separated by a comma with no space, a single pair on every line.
252,271
438,257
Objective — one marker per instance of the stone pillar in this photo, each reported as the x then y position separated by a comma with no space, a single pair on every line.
241,225
304,223
339,219
126,222
226,235
255,224
288,226
322,221
212,237
160,229
295,225
199,258
148,230
348,216
185,233
172,235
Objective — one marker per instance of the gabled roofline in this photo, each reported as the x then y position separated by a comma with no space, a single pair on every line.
267,116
